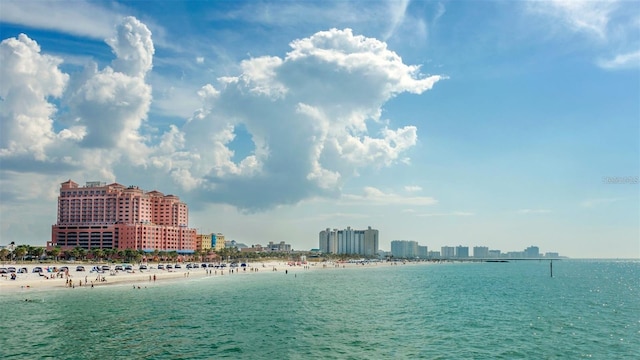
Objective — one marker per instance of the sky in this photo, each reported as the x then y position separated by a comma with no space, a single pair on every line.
488,123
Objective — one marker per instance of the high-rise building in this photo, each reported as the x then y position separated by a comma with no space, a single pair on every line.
532,252
480,252
447,252
423,252
349,241
404,249
113,216
462,251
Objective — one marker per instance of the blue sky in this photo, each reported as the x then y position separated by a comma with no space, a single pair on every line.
500,124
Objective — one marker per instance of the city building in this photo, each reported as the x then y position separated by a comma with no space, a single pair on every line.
114,216
434,254
408,249
480,252
349,241
280,247
532,252
423,252
447,252
217,241
462,252
203,241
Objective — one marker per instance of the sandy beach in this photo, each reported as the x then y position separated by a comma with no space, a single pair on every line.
73,278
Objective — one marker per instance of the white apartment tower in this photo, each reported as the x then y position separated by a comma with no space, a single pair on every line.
349,241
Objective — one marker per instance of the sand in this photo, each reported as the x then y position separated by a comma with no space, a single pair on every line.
87,278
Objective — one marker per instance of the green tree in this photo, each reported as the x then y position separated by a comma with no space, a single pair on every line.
55,252
20,252
38,252
97,254
4,254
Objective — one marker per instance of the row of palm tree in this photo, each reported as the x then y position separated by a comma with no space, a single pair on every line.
28,252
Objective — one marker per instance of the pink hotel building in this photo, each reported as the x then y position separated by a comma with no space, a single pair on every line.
113,216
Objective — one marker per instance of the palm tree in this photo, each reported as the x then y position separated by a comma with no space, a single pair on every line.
4,253
20,252
97,253
81,253
55,252
173,255
38,252
108,253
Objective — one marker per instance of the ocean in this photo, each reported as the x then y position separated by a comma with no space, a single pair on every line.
514,310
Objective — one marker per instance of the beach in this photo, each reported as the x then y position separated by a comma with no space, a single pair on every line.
152,276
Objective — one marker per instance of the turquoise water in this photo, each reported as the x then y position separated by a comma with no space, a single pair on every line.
589,309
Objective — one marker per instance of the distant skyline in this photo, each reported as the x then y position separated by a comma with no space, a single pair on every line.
495,123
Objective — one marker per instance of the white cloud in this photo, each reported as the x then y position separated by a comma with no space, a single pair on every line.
29,80
306,120
374,196
133,48
621,61
533,211
592,203
590,17
397,10
199,59
79,17
307,115
113,103
611,26
412,188
454,213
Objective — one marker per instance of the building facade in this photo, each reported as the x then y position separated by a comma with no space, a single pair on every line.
447,252
113,216
404,249
203,242
480,252
349,241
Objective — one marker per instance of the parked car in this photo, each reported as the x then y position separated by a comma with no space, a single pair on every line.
169,266
204,265
196,266
37,269
4,271
128,267
118,268
178,266
79,268
143,267
106,268
23,270
189,266
160,267
11,269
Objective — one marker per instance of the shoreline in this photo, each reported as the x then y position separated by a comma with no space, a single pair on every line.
153,276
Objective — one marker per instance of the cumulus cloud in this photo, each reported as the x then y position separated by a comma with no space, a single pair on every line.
308,115
307,119
112,103
29,81
103,109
